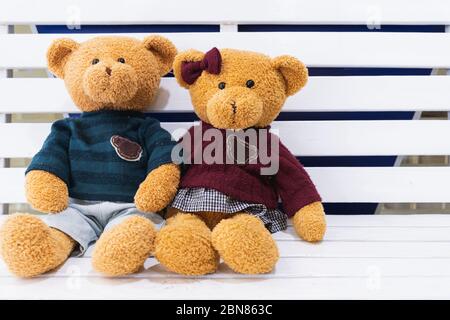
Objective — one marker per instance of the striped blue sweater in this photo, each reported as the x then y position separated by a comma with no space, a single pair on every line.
104,155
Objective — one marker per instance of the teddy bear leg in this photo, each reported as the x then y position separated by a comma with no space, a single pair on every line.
29,247
184,246
245,244
124,248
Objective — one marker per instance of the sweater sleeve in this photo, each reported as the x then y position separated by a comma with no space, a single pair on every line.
294,186
159,145
54,154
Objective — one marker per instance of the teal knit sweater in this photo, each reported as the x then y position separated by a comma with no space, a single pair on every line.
104,155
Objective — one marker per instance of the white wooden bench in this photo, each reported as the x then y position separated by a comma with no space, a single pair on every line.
378,256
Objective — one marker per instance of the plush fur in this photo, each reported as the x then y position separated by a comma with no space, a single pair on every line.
124,248
184,246
131,86
118,73
29,247
241,240
158,189
310,225
245,244
275,79
46,192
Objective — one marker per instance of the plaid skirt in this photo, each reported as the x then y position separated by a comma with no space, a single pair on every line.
204,199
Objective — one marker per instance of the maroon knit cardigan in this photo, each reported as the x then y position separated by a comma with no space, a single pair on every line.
244,182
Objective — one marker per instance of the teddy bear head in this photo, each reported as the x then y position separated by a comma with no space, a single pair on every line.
111,72
233,89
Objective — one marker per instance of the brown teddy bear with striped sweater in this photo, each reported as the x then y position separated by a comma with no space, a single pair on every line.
101,177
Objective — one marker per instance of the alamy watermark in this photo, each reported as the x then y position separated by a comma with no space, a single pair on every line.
73,21
231,147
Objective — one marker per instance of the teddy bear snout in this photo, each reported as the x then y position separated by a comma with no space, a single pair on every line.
110,83
234,108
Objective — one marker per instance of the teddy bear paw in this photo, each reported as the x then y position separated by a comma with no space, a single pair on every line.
29,247
310,223
46,192
124,248
184,246
245,244
158,189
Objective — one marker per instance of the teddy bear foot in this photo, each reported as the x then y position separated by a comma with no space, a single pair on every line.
184,246
29,247
124,248
245,244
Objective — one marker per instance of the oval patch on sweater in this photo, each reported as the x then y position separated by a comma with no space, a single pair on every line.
126,149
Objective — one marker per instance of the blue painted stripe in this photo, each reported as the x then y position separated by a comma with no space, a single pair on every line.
338,28
128,28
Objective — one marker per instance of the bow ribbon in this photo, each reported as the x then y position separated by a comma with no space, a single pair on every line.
211,63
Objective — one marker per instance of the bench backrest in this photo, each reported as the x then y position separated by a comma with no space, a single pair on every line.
323,94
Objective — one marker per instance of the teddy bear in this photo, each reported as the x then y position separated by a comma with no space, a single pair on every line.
227,208
103,176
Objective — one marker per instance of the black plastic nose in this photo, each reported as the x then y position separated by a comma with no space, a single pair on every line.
108,71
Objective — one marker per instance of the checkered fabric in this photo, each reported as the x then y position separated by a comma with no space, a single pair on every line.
204,199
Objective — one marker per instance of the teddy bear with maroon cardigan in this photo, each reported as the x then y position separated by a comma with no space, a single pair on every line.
235,169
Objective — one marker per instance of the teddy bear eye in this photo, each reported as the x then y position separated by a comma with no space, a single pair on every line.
222,85
95,61
121,60
250,83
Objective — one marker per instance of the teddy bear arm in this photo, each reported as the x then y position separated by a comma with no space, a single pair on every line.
46,192
158,189
309,222
300,197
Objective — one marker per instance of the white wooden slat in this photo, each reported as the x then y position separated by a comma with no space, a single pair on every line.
379,234
366,249
317,49
382,234
285,268
305,138
390,221
369,287
367,93
372,12
393,184
342,184
365,137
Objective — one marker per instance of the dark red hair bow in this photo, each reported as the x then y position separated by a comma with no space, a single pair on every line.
211,63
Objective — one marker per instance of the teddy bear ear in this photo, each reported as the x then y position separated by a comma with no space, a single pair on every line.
185,56
294,72
163,49
58,54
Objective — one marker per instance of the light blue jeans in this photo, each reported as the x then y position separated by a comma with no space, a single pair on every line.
84,221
